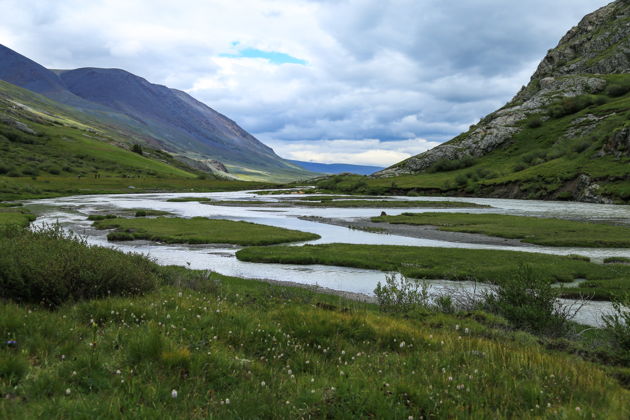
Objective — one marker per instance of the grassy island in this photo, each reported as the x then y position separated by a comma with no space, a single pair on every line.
200,230
533,230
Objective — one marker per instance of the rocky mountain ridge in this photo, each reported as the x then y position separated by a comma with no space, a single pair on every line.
598,45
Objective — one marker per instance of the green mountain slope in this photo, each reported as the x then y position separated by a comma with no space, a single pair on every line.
566,135
49,149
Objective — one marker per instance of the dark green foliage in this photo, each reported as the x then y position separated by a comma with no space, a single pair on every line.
136,148
50,266
617,260
571,105
615,90
534,122
95,217
528,301
445,165
618,325
141,213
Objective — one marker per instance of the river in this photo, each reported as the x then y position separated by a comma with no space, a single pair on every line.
72,212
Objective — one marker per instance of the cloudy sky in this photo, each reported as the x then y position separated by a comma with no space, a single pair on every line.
350,81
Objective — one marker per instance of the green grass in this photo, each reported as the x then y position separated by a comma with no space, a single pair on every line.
488,266
534,230
202,345
12,216
200,230
251,350
392,204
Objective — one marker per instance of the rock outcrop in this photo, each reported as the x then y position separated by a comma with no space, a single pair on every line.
598,45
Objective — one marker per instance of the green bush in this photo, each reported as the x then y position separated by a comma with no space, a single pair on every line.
615,90
96,217
446,165
618,325
534,122
528,301
571,105
49,266
400,294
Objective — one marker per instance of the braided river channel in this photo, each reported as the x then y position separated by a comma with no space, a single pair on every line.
72,213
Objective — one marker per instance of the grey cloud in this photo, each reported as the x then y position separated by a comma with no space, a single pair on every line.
377,69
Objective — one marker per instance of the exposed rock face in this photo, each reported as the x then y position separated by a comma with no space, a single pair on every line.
599,44
618,144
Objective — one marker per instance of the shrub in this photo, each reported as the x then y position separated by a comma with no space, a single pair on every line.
446,165
96,217
529,302
400,294
535,122
136,148
120,236
49,266
615,90
581,146
571,105
141,213
618,325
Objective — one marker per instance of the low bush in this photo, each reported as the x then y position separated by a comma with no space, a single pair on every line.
615,90
618,325
49,266
529,302
401,294
446,165
95,217
571,105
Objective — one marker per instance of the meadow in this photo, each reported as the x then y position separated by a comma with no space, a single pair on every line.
199,230
201,345
533,230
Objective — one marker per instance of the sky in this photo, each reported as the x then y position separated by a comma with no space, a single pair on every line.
367,82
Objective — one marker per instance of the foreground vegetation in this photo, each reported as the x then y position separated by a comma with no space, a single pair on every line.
488,266
200,345
533,230
199,230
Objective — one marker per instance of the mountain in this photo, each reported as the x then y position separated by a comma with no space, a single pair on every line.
336,168
566,135
153,115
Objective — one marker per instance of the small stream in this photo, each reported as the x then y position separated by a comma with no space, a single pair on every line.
72,213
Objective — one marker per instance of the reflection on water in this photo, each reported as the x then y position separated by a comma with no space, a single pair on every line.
72,212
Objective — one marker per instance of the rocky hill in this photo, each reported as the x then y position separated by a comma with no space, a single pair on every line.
575,106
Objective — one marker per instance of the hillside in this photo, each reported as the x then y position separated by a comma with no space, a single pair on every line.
153,115
566,135
49,149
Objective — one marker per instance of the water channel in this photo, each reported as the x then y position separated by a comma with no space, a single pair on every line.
72,212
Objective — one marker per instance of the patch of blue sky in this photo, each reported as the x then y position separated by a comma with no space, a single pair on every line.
273,57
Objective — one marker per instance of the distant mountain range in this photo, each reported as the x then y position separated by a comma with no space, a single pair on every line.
337,168
153,115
